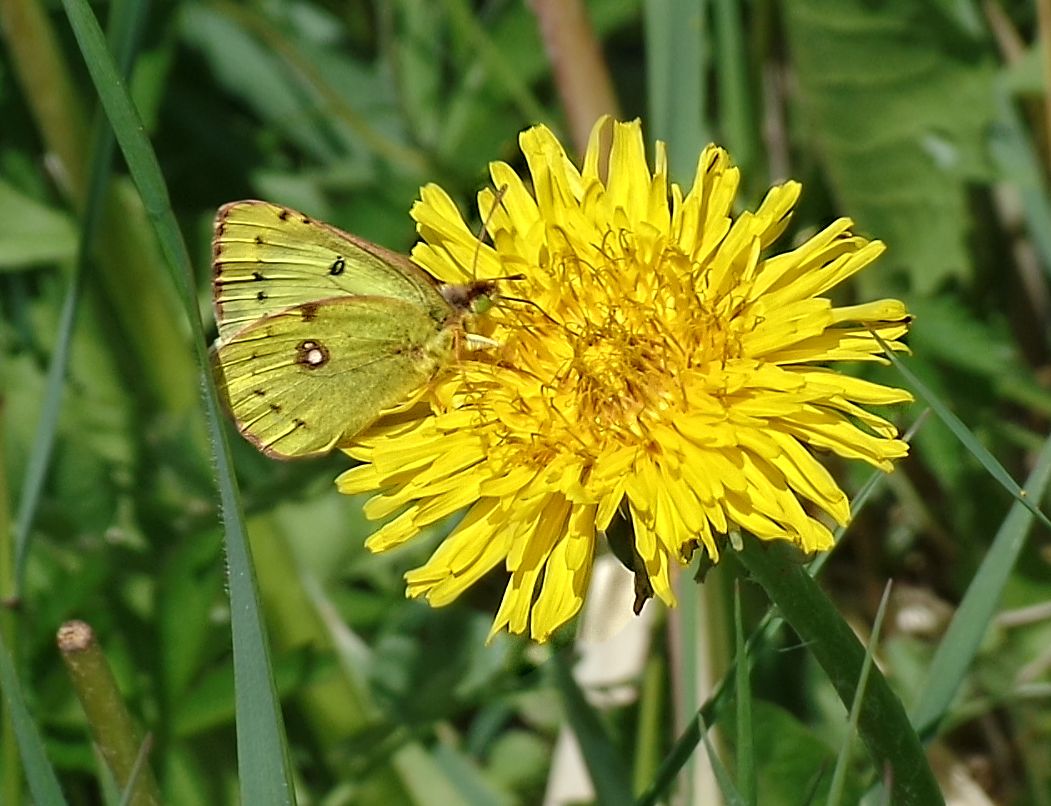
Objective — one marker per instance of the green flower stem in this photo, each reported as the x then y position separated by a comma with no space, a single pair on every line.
882,723
111,726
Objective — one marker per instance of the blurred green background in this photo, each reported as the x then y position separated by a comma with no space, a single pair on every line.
925,122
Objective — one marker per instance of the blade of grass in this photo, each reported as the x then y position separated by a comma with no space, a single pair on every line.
464,22
964,635
10,763
746,780
39,774
606,768
651,721
125,30
145,748
839,774
265,772
961,432
40,66
1014,156
882,722
723,778
676,57
401,157
736,120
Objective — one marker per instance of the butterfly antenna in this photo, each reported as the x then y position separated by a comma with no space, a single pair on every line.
543,313
484,228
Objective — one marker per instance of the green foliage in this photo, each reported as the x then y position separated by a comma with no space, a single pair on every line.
906,117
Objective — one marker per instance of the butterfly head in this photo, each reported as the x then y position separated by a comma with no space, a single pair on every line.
474,298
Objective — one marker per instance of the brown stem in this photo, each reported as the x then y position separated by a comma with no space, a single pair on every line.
112,728
581,74
1043,16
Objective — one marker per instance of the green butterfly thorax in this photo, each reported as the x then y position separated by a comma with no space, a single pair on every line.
319,331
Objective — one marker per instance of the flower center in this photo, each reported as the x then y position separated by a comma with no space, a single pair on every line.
627,334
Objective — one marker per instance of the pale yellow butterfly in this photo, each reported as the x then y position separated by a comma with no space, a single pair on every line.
319,331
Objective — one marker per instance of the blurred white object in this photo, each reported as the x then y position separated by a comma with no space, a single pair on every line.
612,645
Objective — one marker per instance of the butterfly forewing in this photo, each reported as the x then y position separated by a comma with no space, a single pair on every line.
312,376
267,258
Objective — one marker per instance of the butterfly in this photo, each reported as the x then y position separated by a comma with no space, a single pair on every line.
320,330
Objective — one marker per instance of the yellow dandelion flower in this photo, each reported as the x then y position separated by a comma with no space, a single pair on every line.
664,367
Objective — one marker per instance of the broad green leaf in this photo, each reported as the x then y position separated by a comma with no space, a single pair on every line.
33,233
896,99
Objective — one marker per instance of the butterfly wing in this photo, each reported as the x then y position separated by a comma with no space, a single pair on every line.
267,258
303,380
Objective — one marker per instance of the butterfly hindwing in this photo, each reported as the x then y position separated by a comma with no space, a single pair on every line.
303,380
267,258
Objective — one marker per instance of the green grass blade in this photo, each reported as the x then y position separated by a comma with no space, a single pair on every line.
43,783
962,433
882,721
125,35
960,644
746,780
10,753
1013,154
675,63
47,425
128,798
839,775
737,125
464,21
651,721
265,774
722,775
606,768
401,157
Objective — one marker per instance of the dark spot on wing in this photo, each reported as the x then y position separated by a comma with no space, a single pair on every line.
311,354
299,423
259,392
305,220
308,311
283,215
338,266
259,239
257,276
261,296
276,409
